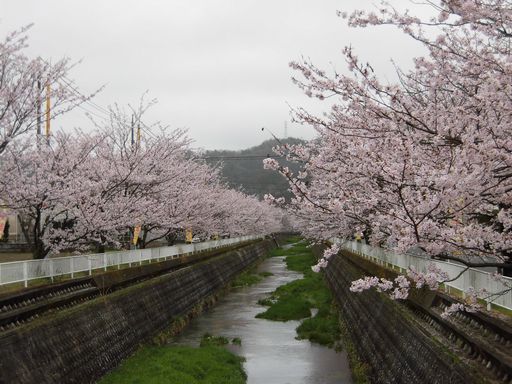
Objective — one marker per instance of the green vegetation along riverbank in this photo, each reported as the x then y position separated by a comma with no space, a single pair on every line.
299,298
209,364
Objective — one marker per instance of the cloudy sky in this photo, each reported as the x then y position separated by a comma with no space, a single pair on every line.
216,67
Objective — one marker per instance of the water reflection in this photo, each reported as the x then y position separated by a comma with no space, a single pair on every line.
273,355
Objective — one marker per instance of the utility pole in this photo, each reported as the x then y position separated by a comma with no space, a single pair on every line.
132,128
38,107
138,133
48,111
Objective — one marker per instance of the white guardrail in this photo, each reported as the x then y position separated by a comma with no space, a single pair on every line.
24,271
472,278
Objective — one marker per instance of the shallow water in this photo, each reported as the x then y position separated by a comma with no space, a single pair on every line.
273,355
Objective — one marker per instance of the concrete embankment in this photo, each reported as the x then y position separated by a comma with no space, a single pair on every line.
395,343
80,344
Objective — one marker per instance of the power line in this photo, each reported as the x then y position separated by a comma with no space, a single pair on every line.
100,112
70,84
249,157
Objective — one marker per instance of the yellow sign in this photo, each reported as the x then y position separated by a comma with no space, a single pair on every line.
188,235
136,233
3,220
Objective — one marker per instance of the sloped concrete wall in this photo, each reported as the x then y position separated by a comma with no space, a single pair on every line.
384,334
82,343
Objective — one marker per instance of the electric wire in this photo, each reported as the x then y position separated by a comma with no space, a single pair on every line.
248,157
100,112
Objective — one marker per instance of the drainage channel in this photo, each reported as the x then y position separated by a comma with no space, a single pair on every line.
272,353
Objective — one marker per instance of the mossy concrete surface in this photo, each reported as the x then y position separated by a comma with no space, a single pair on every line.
81,344
390,345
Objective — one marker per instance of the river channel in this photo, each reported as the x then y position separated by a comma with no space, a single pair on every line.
273,355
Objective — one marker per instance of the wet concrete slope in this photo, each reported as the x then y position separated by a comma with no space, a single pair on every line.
81,344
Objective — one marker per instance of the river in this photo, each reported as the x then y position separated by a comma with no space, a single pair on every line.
273,355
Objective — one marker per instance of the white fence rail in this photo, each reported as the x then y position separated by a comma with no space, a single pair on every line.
24,271
472,278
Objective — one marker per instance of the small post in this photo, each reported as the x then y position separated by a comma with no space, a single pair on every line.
72,267
89,265
104,261
118,261
51,270
140,256
25,273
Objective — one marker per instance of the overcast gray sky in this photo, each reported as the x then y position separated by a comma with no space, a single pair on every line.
216,67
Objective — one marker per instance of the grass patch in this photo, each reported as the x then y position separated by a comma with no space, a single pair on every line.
248,278
267,302
293,239
322,329
210,340
177,365
278,252
294,301
301,262
290,308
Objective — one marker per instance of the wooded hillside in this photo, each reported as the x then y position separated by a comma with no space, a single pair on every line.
244,169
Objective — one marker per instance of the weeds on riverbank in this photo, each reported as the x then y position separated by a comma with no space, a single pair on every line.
209,340
293,239
209,364
295,300
248,278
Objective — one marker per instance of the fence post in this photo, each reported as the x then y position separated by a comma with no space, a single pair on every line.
72,267
89,265
51,270
118,261
104,261
25,273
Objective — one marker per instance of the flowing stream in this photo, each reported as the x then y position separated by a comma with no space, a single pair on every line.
273,355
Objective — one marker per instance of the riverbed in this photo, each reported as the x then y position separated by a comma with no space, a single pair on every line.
273,355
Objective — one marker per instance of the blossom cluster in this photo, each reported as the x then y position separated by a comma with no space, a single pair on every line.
324,260
423,163
399,288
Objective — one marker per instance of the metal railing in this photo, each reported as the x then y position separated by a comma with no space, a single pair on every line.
472,278
24,271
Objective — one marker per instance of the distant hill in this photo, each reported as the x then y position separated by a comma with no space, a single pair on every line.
244,169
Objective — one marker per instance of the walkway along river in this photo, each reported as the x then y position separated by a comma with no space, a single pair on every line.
272,353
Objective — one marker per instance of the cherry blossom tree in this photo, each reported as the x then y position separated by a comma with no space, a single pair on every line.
423,162
80,191
83,191
24,83
38,181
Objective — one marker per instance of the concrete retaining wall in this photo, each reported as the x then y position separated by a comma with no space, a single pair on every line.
82,343
385,334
